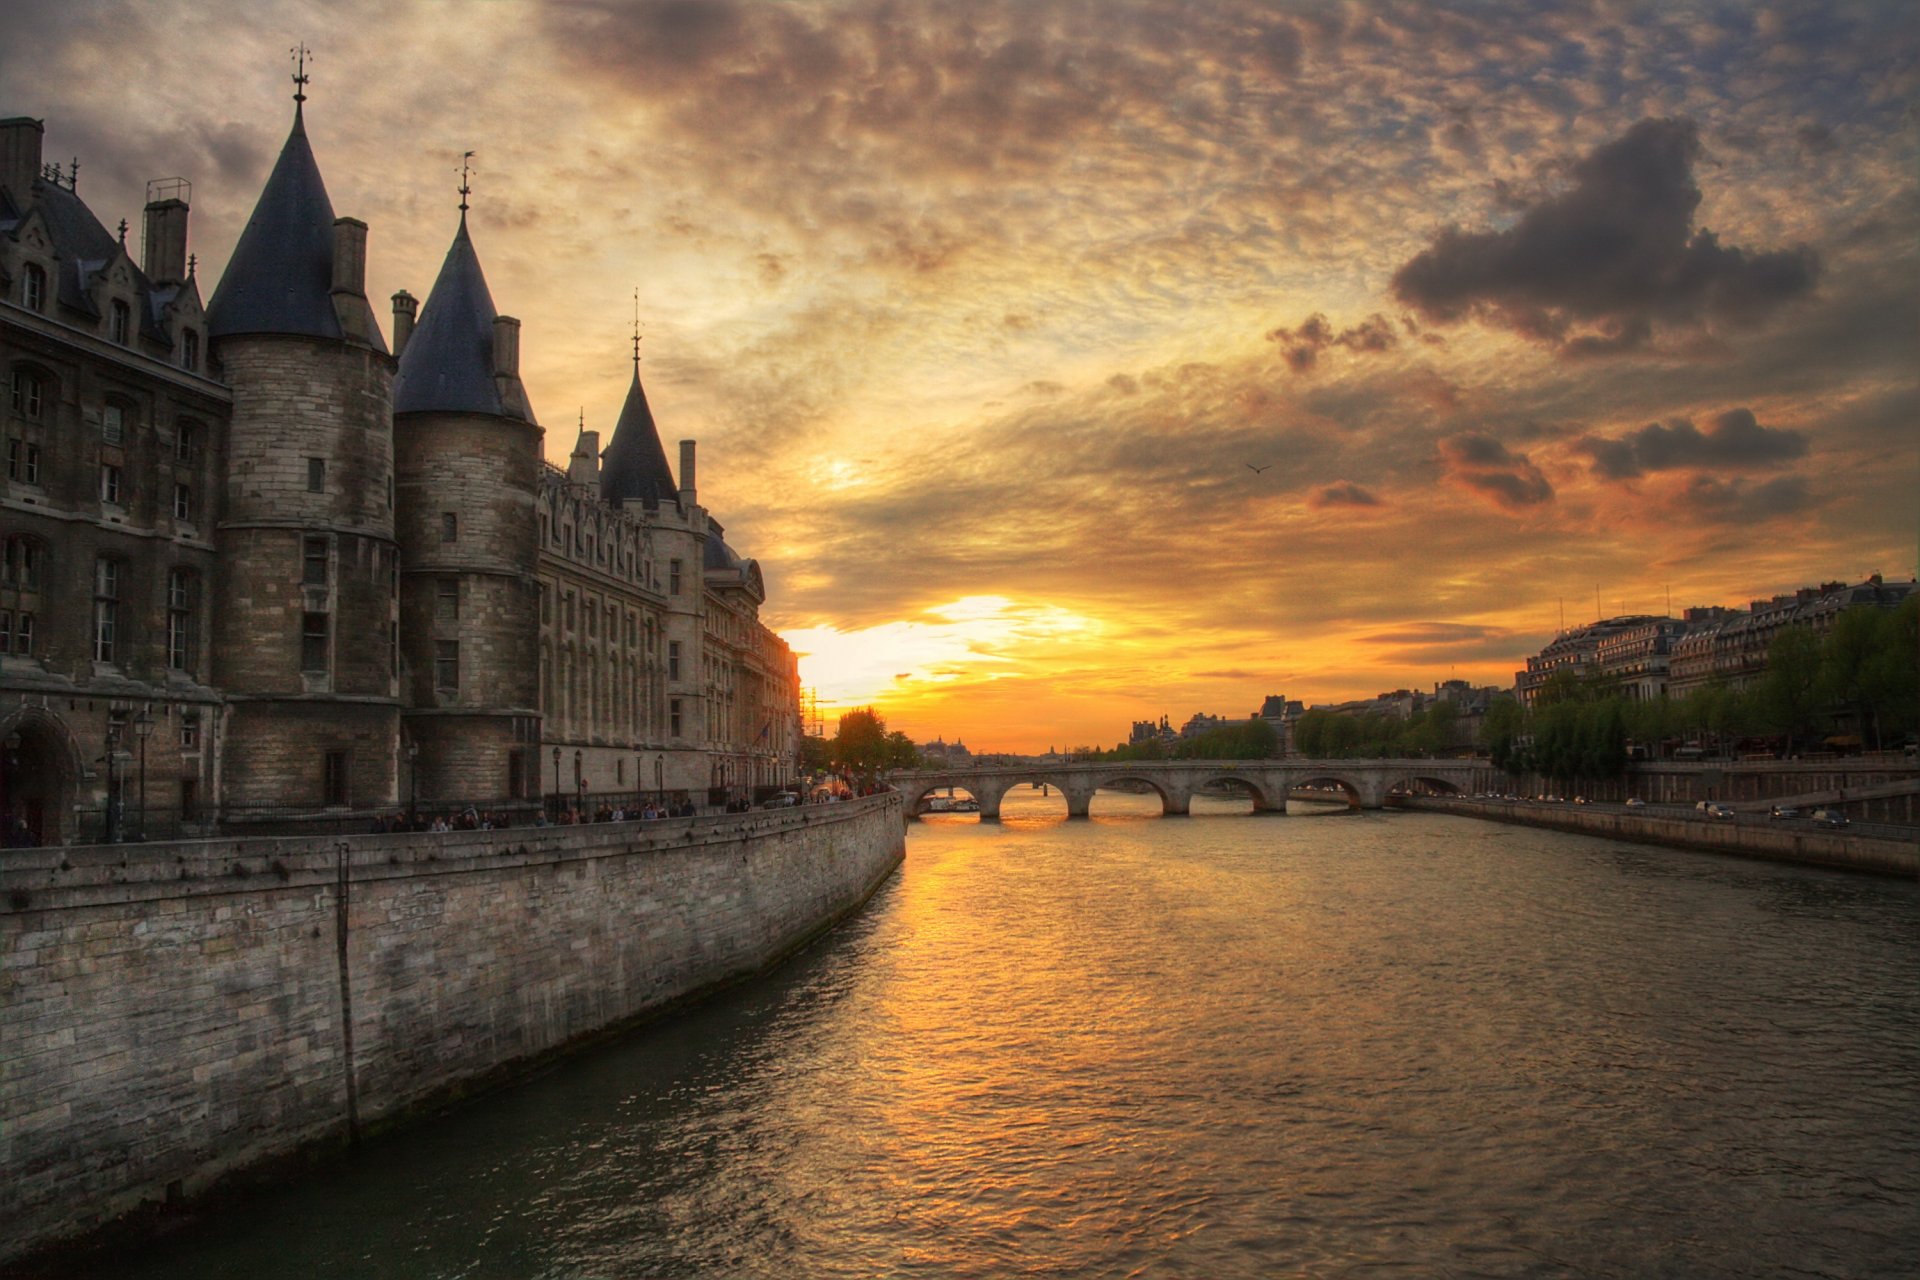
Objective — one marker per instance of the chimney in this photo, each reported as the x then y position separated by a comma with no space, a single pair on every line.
583,468
164,257
406,308
20,139
350,256
687,488
506,347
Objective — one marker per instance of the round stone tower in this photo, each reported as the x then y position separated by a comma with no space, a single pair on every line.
304,637
467,473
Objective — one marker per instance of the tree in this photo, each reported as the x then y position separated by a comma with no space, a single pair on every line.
860,746
900,752
816,754
1864,664
1500,731
1789,694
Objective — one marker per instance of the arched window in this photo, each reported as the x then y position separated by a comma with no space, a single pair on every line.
24,562
190,350
120,322
33,287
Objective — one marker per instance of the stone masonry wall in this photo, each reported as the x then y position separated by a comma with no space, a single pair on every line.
174,1013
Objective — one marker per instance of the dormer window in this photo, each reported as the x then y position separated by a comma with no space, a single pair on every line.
190,350
33,287
120,322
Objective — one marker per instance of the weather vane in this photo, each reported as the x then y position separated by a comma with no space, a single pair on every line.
466,186
300,53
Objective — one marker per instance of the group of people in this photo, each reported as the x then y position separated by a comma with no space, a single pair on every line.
468,819
645,812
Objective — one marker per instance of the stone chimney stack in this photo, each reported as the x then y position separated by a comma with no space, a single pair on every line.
687,488
20,139
583,468
164,257
406,309
506,347
350,257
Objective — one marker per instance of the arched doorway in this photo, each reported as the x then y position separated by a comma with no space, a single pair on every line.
35,783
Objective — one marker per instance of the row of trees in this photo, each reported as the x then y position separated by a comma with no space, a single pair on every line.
862,748
1252,739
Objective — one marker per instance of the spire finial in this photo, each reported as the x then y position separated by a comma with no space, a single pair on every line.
466,184
123,233
583,419
193,264
636,333
73,175
300,53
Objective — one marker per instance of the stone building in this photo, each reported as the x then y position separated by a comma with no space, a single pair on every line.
258,567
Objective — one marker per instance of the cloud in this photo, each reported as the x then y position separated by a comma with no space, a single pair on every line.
1485,466
1342,493
1741,500
1734,440
1302,346
1430,633
1597,268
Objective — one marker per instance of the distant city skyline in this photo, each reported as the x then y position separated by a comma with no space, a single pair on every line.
1066,366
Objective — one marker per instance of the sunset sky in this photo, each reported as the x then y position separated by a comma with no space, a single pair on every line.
983,313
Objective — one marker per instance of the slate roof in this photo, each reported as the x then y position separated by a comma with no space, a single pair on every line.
280,278
633,466
447,365
84,248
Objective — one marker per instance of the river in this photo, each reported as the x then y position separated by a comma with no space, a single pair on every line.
1358,1045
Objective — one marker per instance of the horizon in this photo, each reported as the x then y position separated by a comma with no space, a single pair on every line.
1065,368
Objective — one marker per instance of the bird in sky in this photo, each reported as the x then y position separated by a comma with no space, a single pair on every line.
1258,470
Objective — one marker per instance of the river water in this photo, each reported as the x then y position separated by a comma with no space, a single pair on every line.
1388,1044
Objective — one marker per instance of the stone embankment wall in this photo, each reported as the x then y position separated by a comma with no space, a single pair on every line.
1841,849
173,1013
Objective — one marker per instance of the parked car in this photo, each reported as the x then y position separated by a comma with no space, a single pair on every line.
1829,818
1718,810
1635,802
1783,811
781,801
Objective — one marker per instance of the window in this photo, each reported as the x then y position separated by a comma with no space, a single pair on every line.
120,322
23,460
28,393
113,424
673,577
22,565
316,475
185,441
33,287
449,526
446,599
6,630
182,501
110,483
333,779
673,717
446,665
516,775
313,562
673,659
313,642
393,650
106,607
190,349
190,731
180,595
23,635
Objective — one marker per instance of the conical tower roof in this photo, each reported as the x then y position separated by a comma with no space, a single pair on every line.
447,365
633,466
280,278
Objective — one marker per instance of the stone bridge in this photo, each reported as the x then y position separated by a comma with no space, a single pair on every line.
1367,783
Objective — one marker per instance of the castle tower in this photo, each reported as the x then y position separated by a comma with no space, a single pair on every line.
304,628
467,471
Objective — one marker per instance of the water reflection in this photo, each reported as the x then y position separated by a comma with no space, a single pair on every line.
1217,1046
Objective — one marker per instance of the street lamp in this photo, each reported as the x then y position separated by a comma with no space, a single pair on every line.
143,729
556,784
579,786
413,785
113,783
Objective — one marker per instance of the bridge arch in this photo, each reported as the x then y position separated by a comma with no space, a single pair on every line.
1266,798
1173,799
1334,786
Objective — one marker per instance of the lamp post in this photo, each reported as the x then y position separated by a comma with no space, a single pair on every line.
579,786
556,784
113,783
413,785
143,729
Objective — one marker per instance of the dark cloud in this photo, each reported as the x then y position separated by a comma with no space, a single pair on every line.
1739,499
1487,467
1435,633
1595,269
1302,345
1342,493
1735,439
